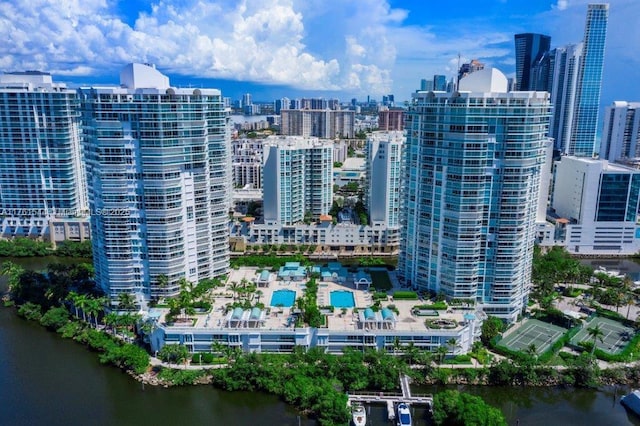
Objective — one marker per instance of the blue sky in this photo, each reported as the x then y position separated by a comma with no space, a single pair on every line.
275,48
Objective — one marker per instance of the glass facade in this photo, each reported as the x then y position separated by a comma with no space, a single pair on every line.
471,185
618,197
529,50
587,103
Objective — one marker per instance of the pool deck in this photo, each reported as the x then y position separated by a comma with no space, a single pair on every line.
276,317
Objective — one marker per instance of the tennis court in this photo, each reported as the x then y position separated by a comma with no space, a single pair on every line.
532,331
616,335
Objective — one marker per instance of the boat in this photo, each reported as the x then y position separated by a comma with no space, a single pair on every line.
358,414
404,415
631,401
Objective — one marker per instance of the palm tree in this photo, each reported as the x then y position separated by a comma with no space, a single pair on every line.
595,333
411,353
112,320
259,294
93,308
82,302
126,302
441,352
234,287
453,344
72,297
162,281
217,348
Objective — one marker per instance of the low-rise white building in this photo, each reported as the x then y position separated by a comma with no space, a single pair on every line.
594,208
340,239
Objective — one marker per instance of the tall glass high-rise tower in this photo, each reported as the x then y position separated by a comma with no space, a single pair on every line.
473,162
158,165
41,173
529,49
587,98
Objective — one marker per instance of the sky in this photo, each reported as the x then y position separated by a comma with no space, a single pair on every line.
276,48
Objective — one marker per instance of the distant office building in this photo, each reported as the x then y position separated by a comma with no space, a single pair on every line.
595,207
587,103
41,171
621,131
281,104
327,124
158,165
297,179
529,50
541,77
382,191
390,119
468,68
246,100
388,100
473,165
319,103
246,163
426,85
440,83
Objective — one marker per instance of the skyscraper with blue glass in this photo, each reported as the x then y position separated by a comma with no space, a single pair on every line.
473,162
587,97
529,49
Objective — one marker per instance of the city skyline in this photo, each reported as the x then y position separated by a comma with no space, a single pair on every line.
397,45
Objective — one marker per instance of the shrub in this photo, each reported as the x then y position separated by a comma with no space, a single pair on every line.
180,377
405,295
55,318
30,311
437,306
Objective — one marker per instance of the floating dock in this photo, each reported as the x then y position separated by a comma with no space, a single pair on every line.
390,398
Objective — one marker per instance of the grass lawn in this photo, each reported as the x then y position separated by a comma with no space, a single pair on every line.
381,280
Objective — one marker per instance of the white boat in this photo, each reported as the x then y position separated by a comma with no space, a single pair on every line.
358,414
632,401
404,415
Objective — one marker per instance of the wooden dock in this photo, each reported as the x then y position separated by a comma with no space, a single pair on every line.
394,398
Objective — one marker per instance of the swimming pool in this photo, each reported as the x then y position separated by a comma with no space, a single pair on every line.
342,299
284,298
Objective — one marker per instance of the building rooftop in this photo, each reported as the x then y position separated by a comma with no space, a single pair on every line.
361,317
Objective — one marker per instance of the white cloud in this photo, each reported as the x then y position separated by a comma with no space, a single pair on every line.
358,46
562,4
259,40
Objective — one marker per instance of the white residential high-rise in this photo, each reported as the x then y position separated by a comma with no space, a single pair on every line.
158,164
473,164
384,161
621,131
41,171
297,179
